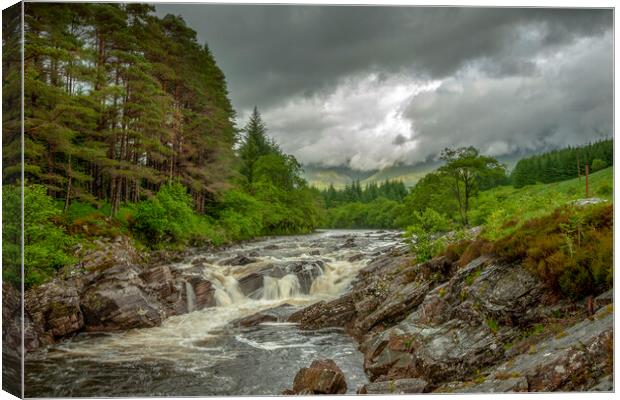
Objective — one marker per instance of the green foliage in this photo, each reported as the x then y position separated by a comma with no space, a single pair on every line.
423,234
559,165
468,172
432,191
605,190
373,206
168,217
571,249
431,221
242,217
391,190
493,325
255,145
46,246
380,213
598,164
119,101
503,209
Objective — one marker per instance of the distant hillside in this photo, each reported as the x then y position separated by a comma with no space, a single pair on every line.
322,177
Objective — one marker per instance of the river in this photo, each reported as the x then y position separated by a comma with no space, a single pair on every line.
205,352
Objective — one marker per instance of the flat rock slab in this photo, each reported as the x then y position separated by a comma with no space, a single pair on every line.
398,386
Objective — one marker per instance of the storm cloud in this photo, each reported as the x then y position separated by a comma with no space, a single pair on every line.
370,86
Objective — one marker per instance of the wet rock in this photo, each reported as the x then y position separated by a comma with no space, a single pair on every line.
119,300
239,259
398,386
322,377
580,358
271,247
396,305
34,335
356,257
159,279
604,299
315,252
336,313
348,243
276,314
254,320
571,361
200,261
204,292
507,293
504,385
107,255
605,384
55,307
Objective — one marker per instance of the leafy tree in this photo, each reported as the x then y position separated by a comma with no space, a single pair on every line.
466,168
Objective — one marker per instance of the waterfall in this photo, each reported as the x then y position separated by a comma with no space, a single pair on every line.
283,288
222,299
190,296
336,276
227,290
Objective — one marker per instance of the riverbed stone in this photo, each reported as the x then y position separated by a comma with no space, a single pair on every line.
322,377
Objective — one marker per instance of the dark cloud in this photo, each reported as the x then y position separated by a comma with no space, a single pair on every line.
308,67
271,52
569,101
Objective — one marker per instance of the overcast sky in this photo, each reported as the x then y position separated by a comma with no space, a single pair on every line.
371,86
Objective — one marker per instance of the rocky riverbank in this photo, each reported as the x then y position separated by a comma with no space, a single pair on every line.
488,326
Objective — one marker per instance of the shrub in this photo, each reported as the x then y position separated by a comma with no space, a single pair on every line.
45,244
424,245
431,221
168,217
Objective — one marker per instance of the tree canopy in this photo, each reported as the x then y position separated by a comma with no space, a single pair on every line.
467,172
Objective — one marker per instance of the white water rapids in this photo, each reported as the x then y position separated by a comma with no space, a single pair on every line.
201,353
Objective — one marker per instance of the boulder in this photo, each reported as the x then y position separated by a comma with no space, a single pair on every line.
322,377
120,300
